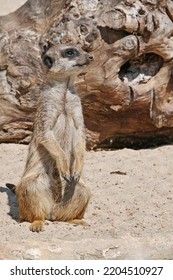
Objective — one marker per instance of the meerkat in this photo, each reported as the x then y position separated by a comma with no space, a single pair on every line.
52,186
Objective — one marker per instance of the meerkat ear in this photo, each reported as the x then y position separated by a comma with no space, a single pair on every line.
45,46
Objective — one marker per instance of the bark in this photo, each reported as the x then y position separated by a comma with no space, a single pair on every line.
127,91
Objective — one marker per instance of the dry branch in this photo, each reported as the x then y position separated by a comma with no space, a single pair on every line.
127,91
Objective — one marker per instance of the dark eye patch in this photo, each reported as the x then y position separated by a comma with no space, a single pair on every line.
71,53
48,61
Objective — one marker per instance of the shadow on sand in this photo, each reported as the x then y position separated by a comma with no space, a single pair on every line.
12,202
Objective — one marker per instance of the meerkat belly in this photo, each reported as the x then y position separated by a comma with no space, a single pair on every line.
69,121
65,131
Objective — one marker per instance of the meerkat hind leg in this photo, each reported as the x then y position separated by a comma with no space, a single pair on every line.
81,222
79,219
37,226
33,203
74,204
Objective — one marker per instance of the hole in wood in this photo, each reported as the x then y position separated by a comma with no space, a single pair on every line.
141,12
110,35
141,69
153,140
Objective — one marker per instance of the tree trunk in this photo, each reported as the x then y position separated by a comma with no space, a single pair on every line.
126,92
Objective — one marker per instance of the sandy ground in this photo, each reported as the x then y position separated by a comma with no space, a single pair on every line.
8,6
130,212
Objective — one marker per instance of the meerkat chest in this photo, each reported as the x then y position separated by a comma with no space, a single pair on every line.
72,104
69,112
69,124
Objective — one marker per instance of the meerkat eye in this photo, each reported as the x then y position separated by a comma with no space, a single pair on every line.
70,53
48,61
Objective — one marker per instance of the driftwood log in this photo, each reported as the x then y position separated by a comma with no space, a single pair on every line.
127,92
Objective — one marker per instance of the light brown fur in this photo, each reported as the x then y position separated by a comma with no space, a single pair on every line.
52,187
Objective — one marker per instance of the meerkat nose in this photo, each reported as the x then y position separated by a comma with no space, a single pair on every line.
90,57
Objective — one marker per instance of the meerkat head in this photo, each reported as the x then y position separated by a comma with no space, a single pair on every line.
65,60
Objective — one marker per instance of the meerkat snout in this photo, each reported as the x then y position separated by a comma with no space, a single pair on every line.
90,57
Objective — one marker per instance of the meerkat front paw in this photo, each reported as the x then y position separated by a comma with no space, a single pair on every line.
76,171
64,170
67,178
72,180
75,179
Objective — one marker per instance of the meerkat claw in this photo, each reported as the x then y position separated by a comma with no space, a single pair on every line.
67,179
74,180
